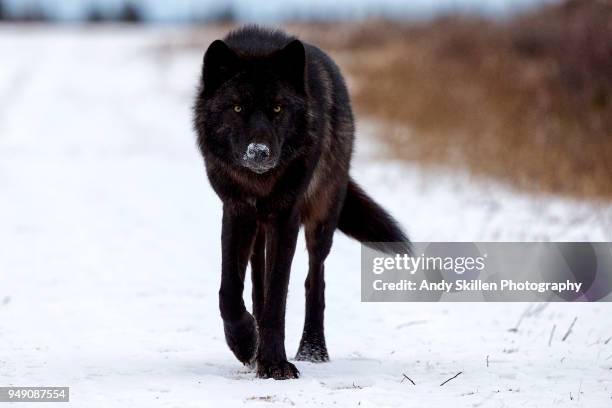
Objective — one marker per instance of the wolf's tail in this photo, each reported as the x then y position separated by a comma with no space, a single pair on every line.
364,220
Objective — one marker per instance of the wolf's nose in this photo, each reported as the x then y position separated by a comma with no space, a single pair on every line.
257,152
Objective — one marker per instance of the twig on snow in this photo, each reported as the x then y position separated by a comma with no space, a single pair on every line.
452,378
552,333
569,329
531,310
407,378
520,320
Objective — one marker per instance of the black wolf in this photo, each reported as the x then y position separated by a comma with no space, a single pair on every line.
275,127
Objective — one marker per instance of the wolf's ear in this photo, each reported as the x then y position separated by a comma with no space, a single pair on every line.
291,62
220,64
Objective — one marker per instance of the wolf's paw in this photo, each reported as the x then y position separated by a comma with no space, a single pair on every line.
241,337
312,348
283,370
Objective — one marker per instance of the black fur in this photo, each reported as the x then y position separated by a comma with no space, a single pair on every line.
380,232
275,127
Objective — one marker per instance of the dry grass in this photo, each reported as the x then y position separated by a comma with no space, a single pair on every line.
528,101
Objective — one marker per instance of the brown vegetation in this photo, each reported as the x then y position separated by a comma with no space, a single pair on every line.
527,101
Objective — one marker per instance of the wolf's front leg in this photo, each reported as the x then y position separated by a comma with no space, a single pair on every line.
237,235
281,237
319,237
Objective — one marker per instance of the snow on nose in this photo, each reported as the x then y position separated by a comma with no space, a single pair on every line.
257,151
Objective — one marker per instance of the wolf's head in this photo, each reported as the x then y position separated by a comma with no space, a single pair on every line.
251,110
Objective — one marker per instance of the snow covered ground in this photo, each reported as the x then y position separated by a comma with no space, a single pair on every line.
110,254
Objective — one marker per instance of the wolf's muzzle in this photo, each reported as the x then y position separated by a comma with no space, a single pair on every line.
257,152
258,158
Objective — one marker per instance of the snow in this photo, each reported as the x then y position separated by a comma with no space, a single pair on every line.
110,254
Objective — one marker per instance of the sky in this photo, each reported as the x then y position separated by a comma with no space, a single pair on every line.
274,10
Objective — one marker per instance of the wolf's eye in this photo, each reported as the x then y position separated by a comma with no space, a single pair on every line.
237,108
277,108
